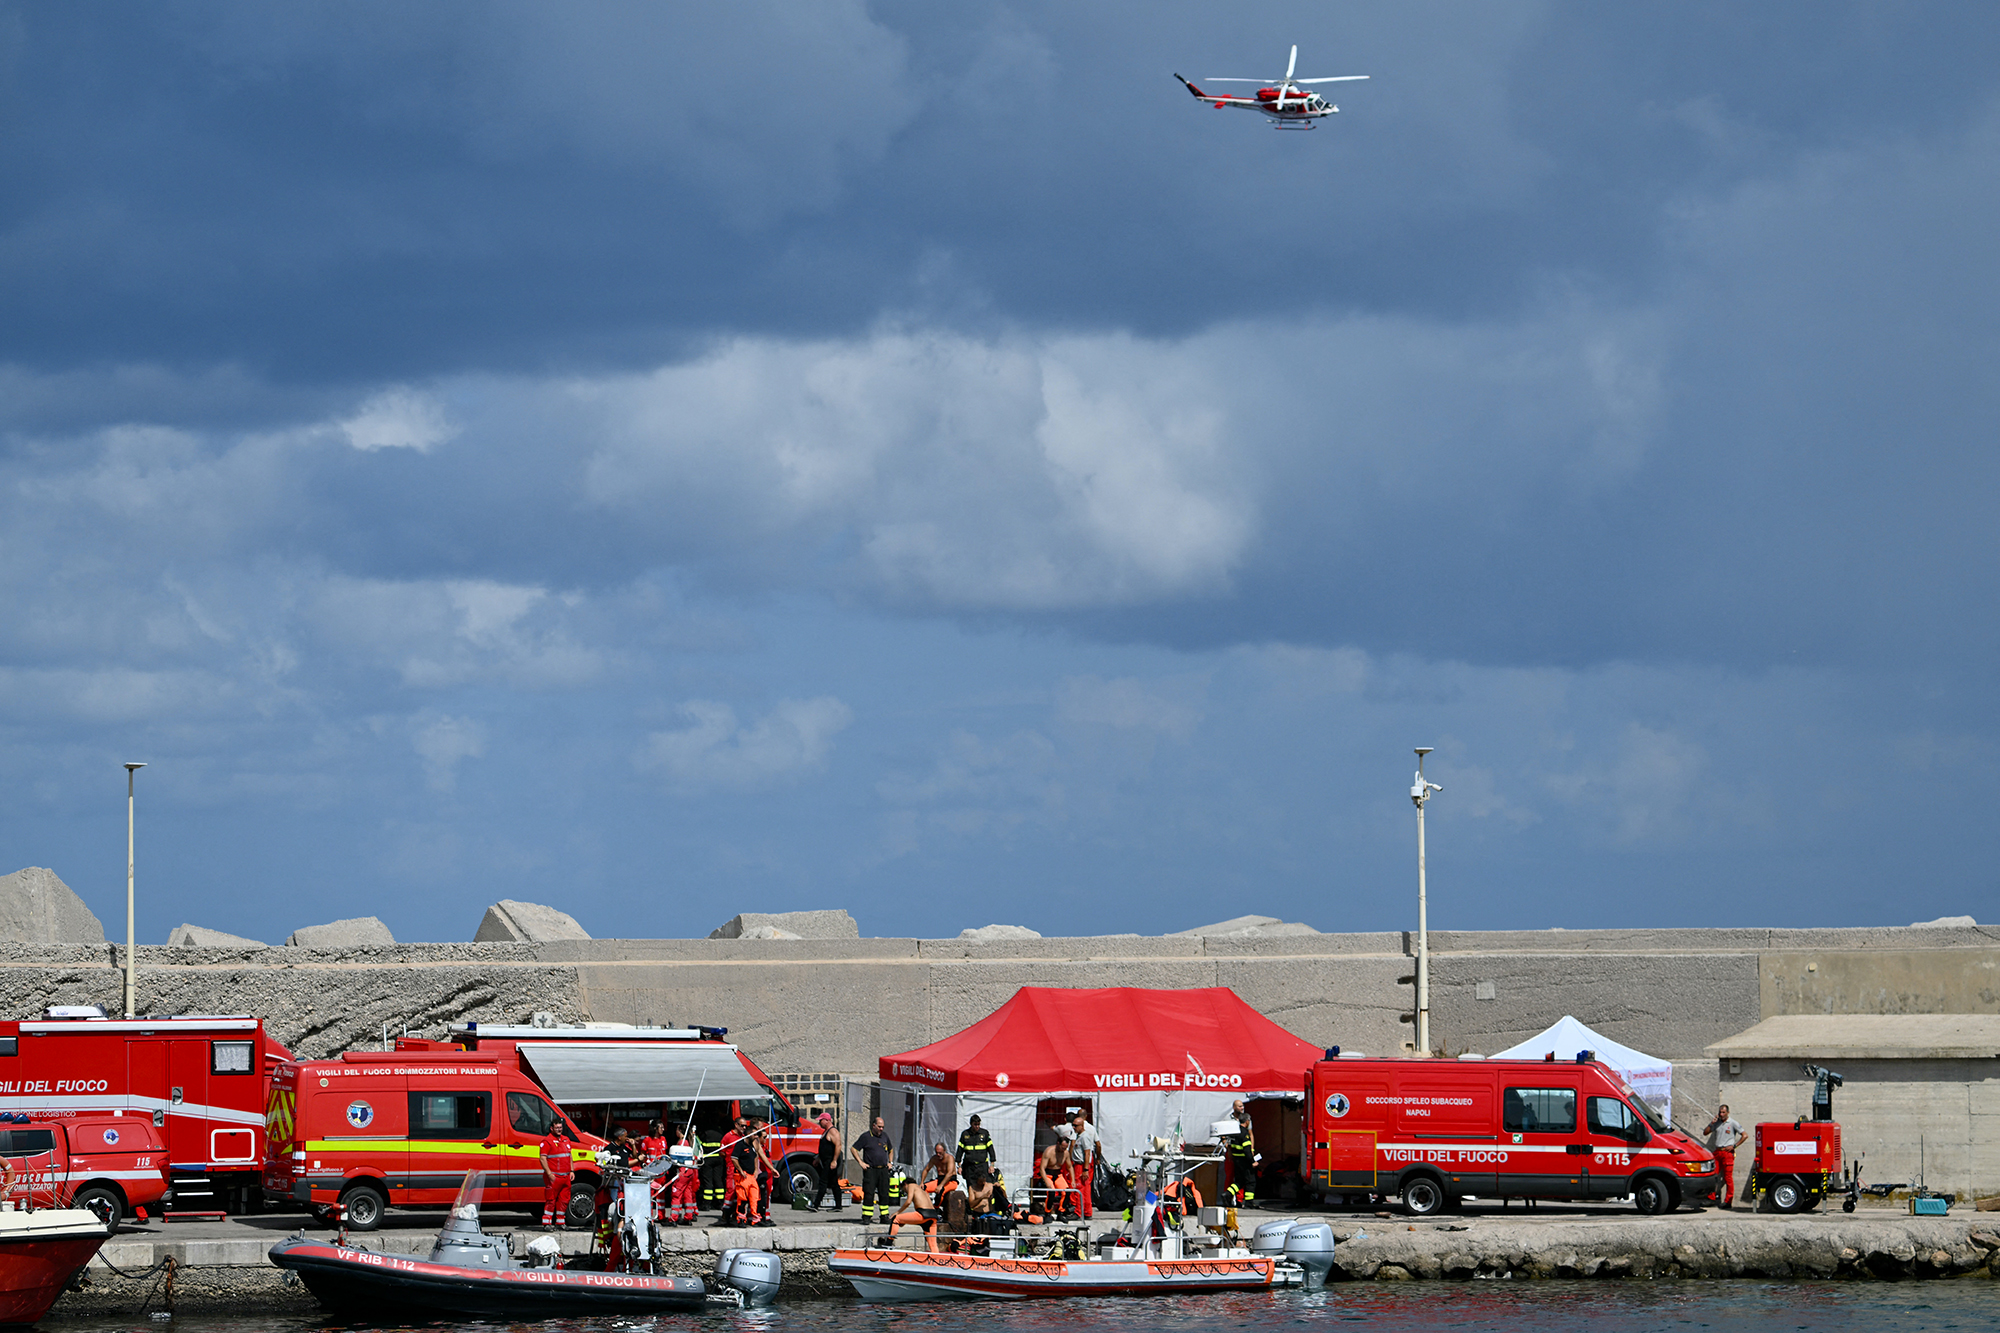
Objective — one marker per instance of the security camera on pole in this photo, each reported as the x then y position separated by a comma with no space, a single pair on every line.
1420,793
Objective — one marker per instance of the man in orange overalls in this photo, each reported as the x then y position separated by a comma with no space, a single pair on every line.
557,1173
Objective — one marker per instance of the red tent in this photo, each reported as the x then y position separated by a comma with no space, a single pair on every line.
1118,1039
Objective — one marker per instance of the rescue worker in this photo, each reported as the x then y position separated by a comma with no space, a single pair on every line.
1724,1135
919,1210
1240,1153
1083,1145
679,1186
654,1146
746,1156
828,1157
871,1152
1054,1182
731,1213
557,1173
975,1152
714,1170
768,1170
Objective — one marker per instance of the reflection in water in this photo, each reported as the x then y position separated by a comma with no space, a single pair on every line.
1540,1307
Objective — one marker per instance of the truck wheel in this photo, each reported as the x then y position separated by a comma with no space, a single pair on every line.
1422,1197
582,1209
803,1177
364,1206
1787,1196
1650,1196
103,1201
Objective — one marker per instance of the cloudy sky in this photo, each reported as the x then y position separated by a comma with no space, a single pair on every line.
670,460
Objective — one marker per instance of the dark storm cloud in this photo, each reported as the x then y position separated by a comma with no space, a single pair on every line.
363,191
897,446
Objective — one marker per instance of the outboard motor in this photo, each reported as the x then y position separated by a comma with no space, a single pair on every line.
1310,1246
755,1273
463,1245
1269,1238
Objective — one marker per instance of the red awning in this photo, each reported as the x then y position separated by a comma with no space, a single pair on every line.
1118,1039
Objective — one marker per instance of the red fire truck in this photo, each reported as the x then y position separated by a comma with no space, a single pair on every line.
110,1164
376,1129
1437,1131
612,1076
201,1079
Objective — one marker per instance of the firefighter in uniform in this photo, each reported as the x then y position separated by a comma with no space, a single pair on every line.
975,1153
557,1172
1240,1150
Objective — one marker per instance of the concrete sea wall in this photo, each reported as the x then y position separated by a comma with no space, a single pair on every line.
834,1006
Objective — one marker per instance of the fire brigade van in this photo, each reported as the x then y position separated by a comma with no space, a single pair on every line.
200,1079
1438,1131
615,1076
379,1129
110,1164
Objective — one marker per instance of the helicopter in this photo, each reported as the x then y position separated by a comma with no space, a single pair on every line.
1284,100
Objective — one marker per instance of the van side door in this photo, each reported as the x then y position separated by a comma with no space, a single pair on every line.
1616,1131
451,1132
1545,1156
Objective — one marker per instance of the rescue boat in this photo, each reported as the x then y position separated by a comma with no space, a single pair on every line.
474,1275
40,1251
1160,1253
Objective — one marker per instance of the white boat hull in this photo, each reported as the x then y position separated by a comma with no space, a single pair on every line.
917,1275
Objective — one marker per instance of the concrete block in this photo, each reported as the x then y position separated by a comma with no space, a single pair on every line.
36,907
768,933
201,937
1249,926
833,924
531,922
997,932
1944,921
353,932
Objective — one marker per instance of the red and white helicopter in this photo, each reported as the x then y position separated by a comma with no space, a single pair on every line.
1284,100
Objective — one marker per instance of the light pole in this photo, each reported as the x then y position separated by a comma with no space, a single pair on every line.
1420,793
131,938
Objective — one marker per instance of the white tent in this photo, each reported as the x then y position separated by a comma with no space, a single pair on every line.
1650,1077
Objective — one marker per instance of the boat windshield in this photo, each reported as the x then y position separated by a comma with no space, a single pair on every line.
465,1208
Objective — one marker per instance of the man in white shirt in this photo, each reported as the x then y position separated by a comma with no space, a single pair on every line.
1081,1137
1724,1135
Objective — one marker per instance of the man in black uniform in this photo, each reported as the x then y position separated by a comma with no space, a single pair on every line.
1241,1150
713,1170
872,1152
975,1153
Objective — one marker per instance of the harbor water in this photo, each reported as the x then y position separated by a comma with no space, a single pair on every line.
1971,1305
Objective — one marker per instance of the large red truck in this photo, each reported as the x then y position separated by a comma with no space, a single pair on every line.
201,1080
611,1076
379,1129
111,1164
1438,1131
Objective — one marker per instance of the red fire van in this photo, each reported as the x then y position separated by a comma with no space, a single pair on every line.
376,1129
610,1076
110,1164
1435,1131
200,1079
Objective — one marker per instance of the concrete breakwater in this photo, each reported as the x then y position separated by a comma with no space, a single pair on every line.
226,1269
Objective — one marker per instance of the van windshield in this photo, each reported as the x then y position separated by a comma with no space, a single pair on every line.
1652,1115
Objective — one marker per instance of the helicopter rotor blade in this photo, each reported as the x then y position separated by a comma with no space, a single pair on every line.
1292,65
1334,78
1217,78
